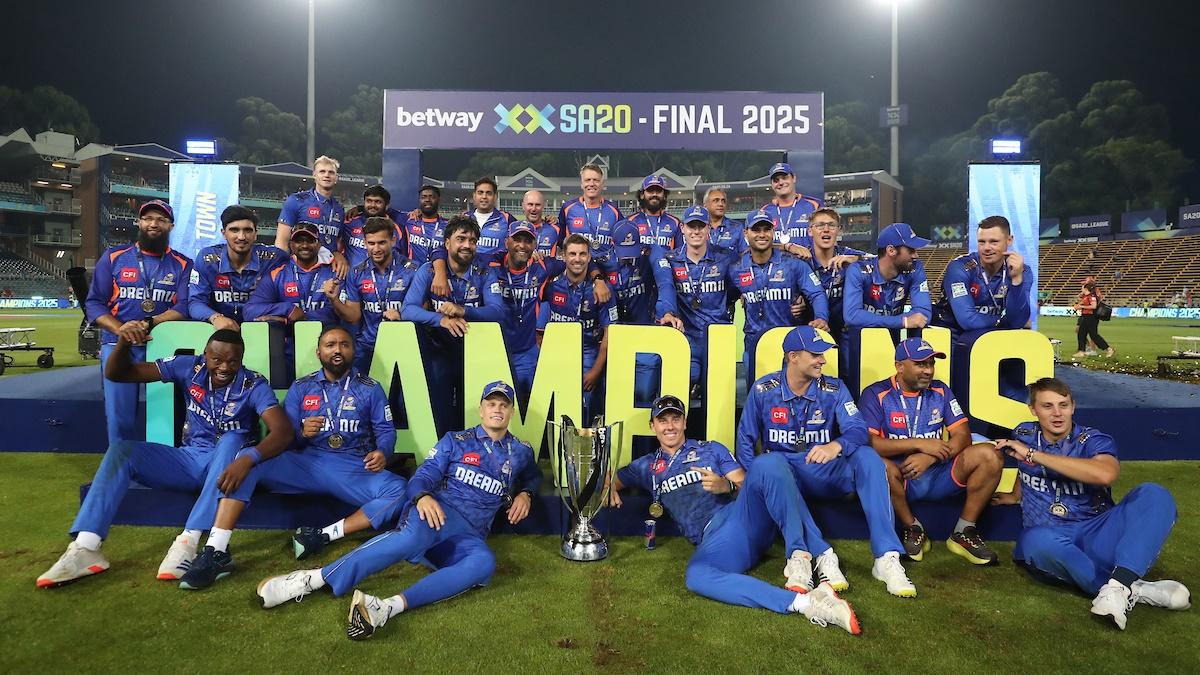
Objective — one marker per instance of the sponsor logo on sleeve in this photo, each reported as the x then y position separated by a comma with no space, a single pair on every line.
955,407
851,409
958,290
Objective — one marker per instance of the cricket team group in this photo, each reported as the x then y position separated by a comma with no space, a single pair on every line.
802,435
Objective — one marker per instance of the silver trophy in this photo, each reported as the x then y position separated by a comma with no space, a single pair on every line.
585,458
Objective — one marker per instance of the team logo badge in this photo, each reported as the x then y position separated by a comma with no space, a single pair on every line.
507,468
229,409
779,415
291,290
222,282
691,457
314,212
817,417
471,458
777,276
197,393
348,404
898,420
312,402
935,416
129,275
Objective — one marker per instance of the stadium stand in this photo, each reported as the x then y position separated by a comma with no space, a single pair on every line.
1151,271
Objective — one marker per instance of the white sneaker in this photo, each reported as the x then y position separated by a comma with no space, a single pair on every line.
825,607
75,563
799,572
887,568
1113,600
828,570
367,615
178,559
275,591
1163,593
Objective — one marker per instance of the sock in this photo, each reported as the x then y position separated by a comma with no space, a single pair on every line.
88,540
219,539
194,535
800,603
335,530
962,525
1122,575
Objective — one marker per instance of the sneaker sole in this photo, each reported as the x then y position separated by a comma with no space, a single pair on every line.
958,550
902,593
839,586
364,628
1109,617
798,589
188,587
91,572
262,601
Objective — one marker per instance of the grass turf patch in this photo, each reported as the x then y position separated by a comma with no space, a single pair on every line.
629,612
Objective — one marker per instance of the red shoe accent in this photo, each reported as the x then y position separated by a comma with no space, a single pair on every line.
855,629
45,583
797,589
96,569
167,576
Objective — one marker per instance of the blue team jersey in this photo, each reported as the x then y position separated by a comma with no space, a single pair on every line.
730,234
770,288
424,236
564,301
326,213
596,223
521,290
643,289
675,482
125,276
217,288
354,407
873,302
833,278
290,285
1041,487
235,407
547,236
356,243
890,413
663,230
469,472
493,235
793,220
973,301
781,420
476,291
378,291
702,297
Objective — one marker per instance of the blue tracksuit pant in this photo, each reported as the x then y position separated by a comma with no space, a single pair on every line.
121,400
861,472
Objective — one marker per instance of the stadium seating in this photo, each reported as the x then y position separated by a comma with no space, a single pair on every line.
1151,271
25,280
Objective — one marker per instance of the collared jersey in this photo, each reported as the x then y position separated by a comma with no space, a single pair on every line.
356,243
643,289
469,472
793,220
378,291
783,421
291,285
217,288
235,407
973,301
663,230
564,301
326,213
891,413
704,280
476,291
548,236
354,408
730,234
521,291
424,236
833,279
872,301
493,234
125,276
676,483
1040,487
770,289
594,223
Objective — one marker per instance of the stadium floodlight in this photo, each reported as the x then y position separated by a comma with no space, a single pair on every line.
200,147
1006,146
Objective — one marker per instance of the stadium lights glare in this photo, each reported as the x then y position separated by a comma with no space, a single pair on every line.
58,165
200,147
66,185
1006,146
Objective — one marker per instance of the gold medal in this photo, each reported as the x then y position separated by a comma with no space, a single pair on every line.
336,441
147,305
656,509
1058,509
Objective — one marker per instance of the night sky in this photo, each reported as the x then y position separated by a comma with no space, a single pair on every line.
161,71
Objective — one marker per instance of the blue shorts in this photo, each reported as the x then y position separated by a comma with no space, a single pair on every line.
938,482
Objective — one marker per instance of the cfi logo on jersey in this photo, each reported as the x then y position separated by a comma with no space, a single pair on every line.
314,212
681,273
898,420
222,282
368,285
613,278
659,466
876,293
746,278
291,289
577,222
471,458
974,290
558,299
129,275
312,402
779,415
197,393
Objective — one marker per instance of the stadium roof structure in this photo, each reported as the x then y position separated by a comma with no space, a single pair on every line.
20,148
149,151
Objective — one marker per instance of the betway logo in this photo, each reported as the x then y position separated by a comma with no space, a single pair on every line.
436,117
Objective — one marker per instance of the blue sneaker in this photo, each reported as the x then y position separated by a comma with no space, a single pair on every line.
208,567
308,541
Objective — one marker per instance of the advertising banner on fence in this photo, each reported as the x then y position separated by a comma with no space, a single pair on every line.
199,193
1151,220
1189,216
1050,228
1084,226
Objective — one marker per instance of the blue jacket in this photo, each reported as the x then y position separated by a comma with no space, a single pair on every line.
354,407
781,420
216,288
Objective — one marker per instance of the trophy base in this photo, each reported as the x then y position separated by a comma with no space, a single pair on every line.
584,544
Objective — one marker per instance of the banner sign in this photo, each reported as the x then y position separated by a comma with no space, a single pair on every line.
34,303
1189,216
1050,228
956,232
700,121
1130,312
199,193
1144,221
1090,225
1012,190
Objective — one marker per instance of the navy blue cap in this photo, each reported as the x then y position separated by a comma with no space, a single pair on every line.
654,181
161,206
759,216
916,349
304,228
781,167
522,226
627,239
667,403
900,234
805,339
499,387
696,212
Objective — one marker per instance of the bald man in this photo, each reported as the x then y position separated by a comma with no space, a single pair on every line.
545,231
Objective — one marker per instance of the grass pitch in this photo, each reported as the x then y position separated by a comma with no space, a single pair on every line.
543,614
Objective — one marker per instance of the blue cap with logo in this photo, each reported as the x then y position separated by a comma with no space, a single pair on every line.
696,212
654,181
900,234
521,226
667,403
781,167
916,349
760,216
499,387
806,339
161,206
627,239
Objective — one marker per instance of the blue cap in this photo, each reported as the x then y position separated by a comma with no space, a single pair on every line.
916,349
781,167
900,234
696,212
805,339
499,387
161,206
759,216
667,403
654,181
522,226
627,239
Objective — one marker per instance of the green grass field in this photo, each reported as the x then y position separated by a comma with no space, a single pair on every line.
542,614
